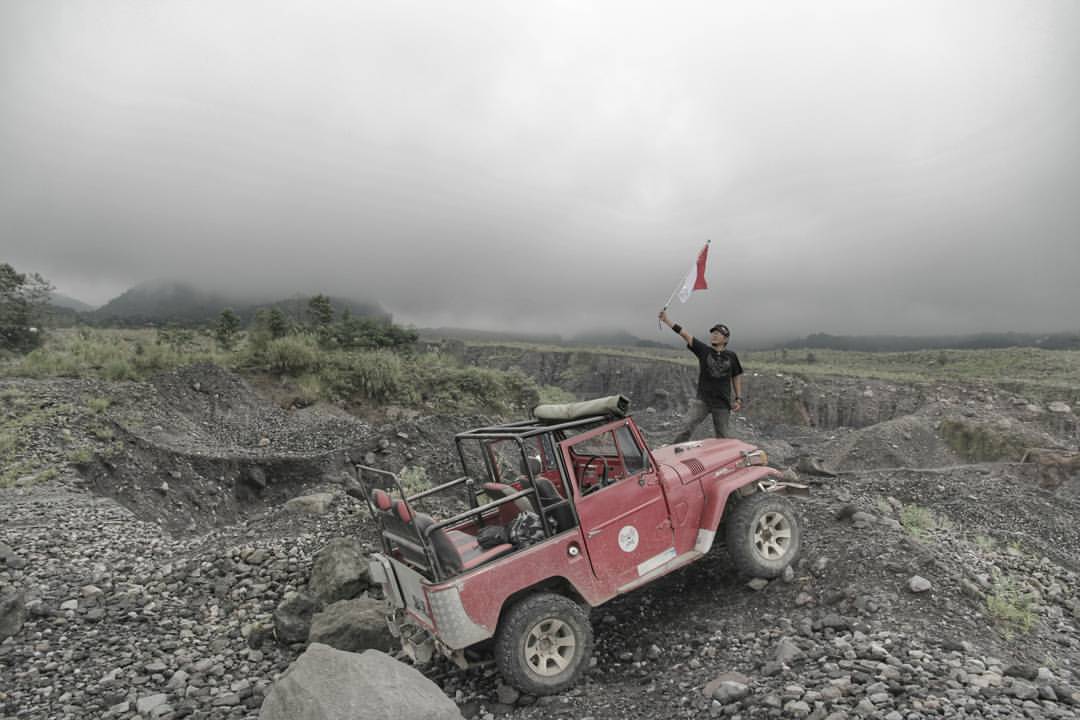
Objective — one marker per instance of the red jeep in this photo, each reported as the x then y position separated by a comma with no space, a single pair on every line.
553,516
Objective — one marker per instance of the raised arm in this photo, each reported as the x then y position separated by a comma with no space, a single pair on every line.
676,327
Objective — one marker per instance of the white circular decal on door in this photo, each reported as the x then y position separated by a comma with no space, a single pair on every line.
628,539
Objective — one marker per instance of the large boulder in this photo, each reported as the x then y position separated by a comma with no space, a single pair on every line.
292,618
356,625
329,684
12,613
340,571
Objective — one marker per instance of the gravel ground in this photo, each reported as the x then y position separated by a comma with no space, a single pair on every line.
935,592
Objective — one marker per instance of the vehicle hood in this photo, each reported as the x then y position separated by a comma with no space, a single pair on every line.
695,457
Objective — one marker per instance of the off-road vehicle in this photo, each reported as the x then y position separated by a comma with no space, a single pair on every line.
553,516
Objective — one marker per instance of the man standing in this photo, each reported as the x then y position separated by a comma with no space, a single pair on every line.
720,372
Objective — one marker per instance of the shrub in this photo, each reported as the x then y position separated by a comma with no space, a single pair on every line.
981,443
378,375
225,329
1011,608
292,355
23,308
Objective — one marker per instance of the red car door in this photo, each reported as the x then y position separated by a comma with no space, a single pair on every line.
623,513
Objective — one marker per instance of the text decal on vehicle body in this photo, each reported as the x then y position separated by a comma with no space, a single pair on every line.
628,538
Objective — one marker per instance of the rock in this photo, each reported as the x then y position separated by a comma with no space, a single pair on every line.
758,584
1059,408
12,613
147,704
316,504
725,677
507,694
728,691
10,558
787,651
919,584
255,478
292,618
1026,672
813,466
355,625
258,557
846,512
329,684
339,571
178,680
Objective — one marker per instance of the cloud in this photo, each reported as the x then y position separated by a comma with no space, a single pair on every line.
860,167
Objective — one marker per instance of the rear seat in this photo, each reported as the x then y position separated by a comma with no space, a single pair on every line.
457,551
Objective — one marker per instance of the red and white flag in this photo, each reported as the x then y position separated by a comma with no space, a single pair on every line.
695,279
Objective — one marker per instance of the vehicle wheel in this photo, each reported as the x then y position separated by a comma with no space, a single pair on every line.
543,644
763,535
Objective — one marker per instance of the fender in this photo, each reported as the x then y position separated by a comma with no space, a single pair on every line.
719,485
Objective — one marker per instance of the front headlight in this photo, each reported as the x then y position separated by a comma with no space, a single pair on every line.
755,457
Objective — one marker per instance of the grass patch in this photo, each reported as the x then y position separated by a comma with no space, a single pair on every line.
81,456
555,395
413,479
1010,606
98,405
921,521
115,355
13,471
1041,375
102,432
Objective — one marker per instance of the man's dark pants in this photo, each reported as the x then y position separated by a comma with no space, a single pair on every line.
698,411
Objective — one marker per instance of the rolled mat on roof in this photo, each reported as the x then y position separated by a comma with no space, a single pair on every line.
610,405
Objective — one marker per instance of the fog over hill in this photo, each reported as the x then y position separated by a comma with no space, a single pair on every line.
174,301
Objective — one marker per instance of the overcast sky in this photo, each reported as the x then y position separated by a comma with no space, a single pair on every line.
861,167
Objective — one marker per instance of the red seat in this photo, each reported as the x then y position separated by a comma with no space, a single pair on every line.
507,511
457,551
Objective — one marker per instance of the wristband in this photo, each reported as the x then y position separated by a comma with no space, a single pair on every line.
677,328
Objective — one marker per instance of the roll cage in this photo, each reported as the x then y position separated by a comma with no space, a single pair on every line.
508,469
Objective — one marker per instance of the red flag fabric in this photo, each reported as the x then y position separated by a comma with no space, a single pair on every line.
695,279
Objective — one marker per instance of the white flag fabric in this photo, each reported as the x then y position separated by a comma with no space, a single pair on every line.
695,279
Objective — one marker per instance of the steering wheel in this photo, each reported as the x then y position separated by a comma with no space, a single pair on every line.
603,478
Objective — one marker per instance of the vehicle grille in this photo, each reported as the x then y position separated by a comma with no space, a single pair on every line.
694,466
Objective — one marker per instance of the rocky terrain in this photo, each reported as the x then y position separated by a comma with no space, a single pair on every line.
156,557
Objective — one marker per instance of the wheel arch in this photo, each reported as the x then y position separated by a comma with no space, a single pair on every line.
718,493
556,584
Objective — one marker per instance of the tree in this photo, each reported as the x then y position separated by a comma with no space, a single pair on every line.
320,311
225,328
277,323
24,300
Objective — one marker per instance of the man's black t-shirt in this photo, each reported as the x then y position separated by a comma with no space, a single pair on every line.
717,370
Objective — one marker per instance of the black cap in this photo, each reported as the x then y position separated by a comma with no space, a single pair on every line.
722,328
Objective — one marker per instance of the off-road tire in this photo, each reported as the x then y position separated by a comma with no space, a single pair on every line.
543,644
763,535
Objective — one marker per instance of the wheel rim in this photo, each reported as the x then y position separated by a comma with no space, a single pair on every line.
772,535
550,647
